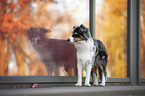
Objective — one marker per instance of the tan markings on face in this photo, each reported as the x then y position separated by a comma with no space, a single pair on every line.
77,39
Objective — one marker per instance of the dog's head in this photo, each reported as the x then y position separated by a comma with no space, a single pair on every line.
36,35
79,33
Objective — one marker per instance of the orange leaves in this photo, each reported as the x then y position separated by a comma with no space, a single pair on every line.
12,6
10,27
8,18
11,40
12,21
13,36
23,2
7,26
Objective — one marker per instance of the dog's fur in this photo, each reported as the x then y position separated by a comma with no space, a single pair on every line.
91,55
52,52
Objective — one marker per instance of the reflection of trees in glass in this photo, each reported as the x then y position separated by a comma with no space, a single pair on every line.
58,15
14,58
18,15
111,27
142,38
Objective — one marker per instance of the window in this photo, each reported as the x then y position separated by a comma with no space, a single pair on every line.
17,56
111,29
116,25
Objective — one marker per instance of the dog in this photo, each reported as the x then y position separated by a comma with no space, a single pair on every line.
91,55
53,53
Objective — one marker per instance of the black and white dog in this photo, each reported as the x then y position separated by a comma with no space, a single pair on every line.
91,55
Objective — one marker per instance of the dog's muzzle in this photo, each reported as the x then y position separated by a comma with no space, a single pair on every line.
70,39
37,40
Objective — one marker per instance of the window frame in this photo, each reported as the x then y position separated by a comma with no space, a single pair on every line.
133,50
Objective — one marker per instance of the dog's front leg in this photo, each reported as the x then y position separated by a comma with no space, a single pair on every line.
88,73
80,68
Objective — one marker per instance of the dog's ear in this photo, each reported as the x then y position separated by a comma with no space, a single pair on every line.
29,30
74,27
26,31
44,30
81,25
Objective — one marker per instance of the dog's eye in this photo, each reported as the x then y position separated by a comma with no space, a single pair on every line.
81,31
32,35
75,33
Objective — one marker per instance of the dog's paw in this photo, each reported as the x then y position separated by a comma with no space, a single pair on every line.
95,84
78,84
87,85
102,84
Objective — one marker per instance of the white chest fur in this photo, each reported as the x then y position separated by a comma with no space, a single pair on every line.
85,51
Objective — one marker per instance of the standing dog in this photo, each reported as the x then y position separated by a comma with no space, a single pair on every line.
91,55
53,53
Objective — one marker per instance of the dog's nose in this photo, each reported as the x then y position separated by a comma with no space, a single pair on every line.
38,40
68,40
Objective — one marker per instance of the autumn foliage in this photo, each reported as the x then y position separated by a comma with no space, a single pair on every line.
111,28
15,18
18,58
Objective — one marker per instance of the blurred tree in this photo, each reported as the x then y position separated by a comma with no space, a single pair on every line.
14,19
111,28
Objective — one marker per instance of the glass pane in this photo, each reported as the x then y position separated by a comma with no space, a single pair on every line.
142,52
111,29
17,54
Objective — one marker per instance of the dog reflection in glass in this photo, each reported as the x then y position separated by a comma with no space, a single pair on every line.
53,53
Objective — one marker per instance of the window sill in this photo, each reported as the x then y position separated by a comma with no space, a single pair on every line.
76,91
